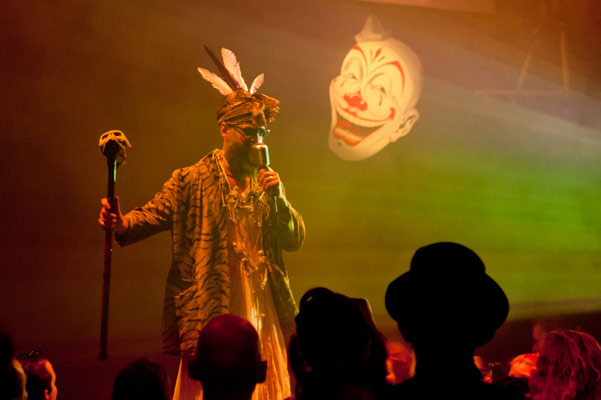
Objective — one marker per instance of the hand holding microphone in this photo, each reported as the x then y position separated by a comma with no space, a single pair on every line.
270,181
268,178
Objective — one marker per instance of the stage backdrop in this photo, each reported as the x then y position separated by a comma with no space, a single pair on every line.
514,175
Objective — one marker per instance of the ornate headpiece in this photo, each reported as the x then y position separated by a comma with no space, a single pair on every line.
241,104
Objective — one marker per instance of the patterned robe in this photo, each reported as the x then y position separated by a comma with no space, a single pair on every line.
193,205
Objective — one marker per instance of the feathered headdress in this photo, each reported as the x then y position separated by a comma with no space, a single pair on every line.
241,104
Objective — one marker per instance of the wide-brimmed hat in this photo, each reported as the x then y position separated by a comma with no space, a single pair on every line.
447,292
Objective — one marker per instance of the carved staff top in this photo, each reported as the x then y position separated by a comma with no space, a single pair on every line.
116,151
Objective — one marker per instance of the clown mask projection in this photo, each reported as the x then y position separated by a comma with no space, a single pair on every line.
374,96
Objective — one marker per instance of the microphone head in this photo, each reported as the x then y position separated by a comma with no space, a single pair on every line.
260,155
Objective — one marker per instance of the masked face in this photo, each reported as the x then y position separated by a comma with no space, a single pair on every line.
373,98
237,147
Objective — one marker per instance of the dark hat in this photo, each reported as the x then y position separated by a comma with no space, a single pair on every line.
332,327
447,288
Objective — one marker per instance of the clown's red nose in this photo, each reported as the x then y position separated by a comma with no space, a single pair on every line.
356,101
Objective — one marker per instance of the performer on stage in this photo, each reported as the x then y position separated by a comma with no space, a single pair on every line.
230,222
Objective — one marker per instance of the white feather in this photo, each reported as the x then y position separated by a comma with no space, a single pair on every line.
257,83
233,66
216,81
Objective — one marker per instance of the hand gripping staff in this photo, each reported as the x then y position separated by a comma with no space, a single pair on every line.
112,145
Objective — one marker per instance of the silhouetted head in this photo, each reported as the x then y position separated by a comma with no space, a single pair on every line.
41,379
337,349
7,351
12,376
446,294
228,358
568,367
332,330
142,379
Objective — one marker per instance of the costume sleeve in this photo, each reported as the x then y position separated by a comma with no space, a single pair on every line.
153,217
290,228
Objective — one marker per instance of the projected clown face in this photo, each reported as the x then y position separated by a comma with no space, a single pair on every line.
373,98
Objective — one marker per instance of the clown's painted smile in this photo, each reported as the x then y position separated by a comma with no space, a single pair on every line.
352,129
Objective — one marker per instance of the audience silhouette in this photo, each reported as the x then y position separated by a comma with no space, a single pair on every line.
337,352
568,368
142,379
446,306
41,379
12,376
228,362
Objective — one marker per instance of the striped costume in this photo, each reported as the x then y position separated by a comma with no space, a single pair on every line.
192,204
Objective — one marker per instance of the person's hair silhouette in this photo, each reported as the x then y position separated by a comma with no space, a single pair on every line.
568,368
142,379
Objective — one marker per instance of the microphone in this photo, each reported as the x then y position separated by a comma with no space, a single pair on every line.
260,155
260,158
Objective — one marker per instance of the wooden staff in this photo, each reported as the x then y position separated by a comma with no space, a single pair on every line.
112,145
